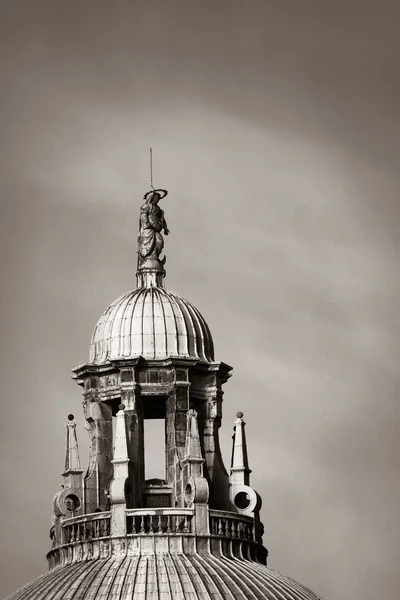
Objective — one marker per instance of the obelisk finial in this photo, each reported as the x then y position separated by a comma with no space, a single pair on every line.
72,462
240,471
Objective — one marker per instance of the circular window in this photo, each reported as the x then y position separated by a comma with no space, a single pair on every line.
242,500
188,494
72,502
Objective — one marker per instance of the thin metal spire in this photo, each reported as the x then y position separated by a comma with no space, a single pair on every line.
151,169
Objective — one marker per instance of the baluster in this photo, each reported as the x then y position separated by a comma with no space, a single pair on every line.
241,530
168,523
185,524
214,525
159,525
177,524
151,530
141,524
220,526
233,528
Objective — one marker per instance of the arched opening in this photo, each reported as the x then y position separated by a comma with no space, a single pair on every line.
154,449
156,492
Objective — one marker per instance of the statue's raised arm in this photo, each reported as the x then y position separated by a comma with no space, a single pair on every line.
151,223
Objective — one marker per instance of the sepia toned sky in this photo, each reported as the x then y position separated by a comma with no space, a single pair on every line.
275,128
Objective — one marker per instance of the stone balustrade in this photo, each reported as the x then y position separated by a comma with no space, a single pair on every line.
231,525
87,527
159,530
159,521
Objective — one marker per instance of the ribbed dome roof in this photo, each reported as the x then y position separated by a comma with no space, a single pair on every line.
154,323
169,576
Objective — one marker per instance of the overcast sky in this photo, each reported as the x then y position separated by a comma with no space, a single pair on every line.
275,128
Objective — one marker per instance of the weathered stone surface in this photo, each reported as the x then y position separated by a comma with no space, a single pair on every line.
178,575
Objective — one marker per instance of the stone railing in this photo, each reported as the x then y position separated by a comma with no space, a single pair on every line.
236,534
230,525
159,521
158,530
88,527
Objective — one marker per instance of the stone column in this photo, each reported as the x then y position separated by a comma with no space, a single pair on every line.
130,397
99,473
206,397
176,410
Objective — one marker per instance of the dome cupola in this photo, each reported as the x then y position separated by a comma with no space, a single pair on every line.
150,321
153,323
194,530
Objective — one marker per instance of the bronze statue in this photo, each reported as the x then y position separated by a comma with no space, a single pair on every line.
150,241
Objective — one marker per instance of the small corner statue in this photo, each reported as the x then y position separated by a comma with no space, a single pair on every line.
150,241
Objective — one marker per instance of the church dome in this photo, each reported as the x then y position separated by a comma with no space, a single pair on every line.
165,576
154,323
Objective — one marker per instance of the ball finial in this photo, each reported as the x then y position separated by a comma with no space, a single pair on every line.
239,415
121,407
70,417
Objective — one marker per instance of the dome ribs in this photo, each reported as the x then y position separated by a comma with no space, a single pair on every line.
176,582
207,339
220,584
253,587
153,323
181,332
168,575
160,326
122,328
190,328
173,334
197,582
142,322
130,334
